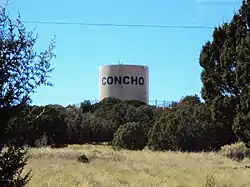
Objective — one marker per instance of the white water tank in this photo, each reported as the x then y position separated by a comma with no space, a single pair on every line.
125,82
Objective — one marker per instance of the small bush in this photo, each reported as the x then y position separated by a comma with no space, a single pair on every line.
83,158
130,136
237,151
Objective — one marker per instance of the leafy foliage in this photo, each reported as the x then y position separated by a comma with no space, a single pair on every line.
130,136
22,71
187,127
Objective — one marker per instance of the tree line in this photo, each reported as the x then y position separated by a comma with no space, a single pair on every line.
186,125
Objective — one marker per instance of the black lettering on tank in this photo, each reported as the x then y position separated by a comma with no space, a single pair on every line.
104,81
118,80
125,80
134,80
110,80
141,81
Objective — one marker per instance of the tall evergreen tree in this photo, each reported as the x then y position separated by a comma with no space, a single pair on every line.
226,74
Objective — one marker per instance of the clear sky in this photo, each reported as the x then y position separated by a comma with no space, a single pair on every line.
172,54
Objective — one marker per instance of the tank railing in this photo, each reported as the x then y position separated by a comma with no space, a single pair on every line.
156,102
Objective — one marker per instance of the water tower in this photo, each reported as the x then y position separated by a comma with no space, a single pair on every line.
124,82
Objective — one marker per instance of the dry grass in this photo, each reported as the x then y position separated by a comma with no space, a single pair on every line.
107,167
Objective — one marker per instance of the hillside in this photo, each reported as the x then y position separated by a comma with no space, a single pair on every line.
108,167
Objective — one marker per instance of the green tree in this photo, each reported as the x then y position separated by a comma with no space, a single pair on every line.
52,125
22,71
226,74
86,106
190,99
130,136
187,127
116,112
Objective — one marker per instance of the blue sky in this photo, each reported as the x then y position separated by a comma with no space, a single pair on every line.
172,54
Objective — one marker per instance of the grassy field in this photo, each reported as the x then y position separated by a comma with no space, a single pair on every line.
107,167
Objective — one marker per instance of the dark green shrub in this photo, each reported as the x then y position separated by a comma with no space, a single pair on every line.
105,105
79,128
101,130
135,103
86,106
187,127
130,136
82,158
